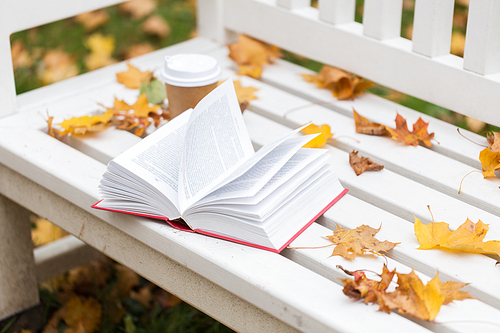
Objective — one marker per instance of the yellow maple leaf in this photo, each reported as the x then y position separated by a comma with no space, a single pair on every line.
82,125
321,139
490,161
133,77
467,238
101,48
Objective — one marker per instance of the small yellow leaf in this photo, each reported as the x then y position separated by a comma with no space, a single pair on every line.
321,139
133,77
82,312
82,125
490,162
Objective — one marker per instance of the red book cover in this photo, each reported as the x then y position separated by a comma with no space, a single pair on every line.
182,226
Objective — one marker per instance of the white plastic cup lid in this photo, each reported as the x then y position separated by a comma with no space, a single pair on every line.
190,70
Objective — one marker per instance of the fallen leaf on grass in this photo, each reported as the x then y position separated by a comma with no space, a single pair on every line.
320,140
138,8
138,50
156,25
101,48
419,133
251,55
92,20
57,65
362,164
133,77
365,126
343,85
20,57
358,241
80,314
467,238
411,297
44,231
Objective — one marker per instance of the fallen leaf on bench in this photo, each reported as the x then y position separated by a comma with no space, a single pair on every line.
411,297
343,85
362,164
467,238
350,243
251,55
82,125
490,156
321,139
413,138
365,126
244,94
133,78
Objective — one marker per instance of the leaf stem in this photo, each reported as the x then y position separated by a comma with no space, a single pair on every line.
458,130
460,187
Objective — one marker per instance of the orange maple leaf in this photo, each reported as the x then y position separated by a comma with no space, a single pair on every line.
419,133
342,84
358,241
467,238
321,139
490,156
251,55
411,297
133,77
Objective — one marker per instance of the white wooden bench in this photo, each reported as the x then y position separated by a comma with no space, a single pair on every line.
248,289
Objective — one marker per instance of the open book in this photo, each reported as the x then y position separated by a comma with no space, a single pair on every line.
200,173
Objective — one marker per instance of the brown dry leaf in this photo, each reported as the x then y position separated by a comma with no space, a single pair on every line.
166,299
365,126
139,49
144,295
350,243
467,238
45,232
251,55
419,133
82,125
81,312
319,141
133,77
343,85
127,279
20,57
101,48
411,297
156,25
57,65
362,164
138,8
94,19
494,141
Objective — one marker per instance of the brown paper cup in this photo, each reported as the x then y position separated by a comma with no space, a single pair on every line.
182,98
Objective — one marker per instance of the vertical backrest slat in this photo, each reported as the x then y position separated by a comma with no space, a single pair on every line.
23,14
482,42
432,27
294,4
337,11
210,19
382,18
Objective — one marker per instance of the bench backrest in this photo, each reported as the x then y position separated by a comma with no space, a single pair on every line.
422,67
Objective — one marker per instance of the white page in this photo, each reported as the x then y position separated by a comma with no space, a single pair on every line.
216,142
256,177
156,159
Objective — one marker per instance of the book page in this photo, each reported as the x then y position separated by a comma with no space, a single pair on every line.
248,184
216,142
156,159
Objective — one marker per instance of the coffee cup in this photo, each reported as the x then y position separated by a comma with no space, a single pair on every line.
188,78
